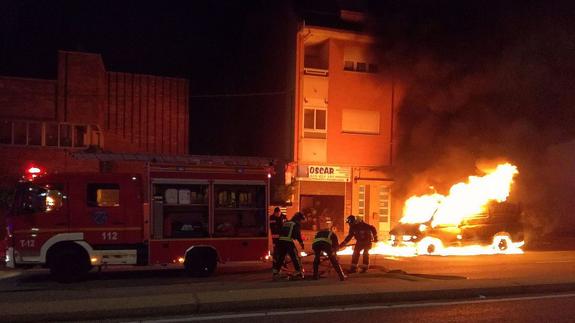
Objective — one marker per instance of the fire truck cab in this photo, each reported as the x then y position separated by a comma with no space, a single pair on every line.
188,216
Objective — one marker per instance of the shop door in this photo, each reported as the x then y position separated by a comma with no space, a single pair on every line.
322,211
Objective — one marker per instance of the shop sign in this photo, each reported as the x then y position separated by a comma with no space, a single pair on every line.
329,173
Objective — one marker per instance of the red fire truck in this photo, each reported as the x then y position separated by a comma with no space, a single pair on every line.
189,215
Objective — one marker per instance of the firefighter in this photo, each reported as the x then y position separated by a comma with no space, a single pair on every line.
364,235
289,232
277,220
325,242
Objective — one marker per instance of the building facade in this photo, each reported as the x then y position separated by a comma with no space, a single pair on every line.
345,114
87,108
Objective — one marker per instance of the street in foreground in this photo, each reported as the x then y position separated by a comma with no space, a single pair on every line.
533,308
115,294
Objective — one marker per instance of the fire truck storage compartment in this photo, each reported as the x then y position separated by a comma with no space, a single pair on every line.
181,210
227,215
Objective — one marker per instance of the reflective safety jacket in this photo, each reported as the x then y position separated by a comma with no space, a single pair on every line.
328,237
291,231
362,232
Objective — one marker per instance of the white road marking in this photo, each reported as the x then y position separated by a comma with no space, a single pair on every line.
195,318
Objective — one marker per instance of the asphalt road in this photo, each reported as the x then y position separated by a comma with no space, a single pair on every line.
536,308
533,264
141,288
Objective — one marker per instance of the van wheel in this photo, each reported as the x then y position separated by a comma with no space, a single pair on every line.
69,265
502,245
201,262
429,246
501,241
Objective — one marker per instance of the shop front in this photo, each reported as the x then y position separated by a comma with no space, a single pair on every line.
328,194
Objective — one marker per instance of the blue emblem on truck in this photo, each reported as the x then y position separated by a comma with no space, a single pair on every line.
100,216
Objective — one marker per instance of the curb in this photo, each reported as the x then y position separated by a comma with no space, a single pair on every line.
385,297
197,307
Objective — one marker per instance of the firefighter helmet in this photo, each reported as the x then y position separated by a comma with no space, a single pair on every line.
298,217
350,219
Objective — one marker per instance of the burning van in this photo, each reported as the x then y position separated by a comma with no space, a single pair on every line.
474,214
498,226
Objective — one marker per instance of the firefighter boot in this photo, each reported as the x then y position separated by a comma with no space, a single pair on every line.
352,269
297,275
340,273
363,269
315,275
275,275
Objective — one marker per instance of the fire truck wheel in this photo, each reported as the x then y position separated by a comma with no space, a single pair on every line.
68,264
201,262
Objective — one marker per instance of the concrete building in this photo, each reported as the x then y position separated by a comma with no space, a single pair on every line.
345,114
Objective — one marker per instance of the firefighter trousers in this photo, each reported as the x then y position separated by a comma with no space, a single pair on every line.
274,251
284,248
359,247
319,248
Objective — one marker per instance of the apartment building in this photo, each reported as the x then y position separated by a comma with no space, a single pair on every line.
345,118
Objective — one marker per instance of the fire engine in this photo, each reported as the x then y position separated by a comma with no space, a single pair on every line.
189,215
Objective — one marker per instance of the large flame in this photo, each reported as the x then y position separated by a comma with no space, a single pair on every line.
464,199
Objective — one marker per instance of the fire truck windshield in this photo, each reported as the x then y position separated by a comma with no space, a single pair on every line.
32,198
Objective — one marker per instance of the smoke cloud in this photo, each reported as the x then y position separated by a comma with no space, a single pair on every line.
485,81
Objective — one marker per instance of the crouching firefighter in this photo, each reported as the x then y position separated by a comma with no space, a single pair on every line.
364,235
289,232
325,242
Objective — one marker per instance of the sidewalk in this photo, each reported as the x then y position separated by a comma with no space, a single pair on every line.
209,297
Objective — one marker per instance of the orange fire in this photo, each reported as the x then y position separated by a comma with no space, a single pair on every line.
386,249
463,201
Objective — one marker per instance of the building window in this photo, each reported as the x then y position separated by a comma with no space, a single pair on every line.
5,132
51,134
20,137
384,202
348,66
103,195
34,134
315,123
361,202
359,59
65,135
359,121
48,134
79,136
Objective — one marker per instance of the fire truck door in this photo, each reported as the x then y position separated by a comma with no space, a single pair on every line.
54,215
50,216
106,213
